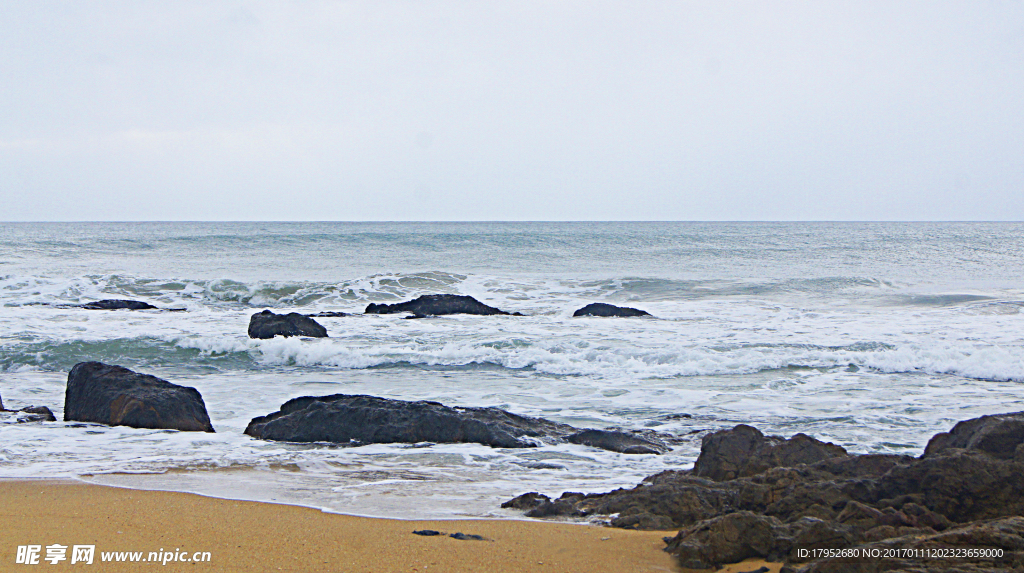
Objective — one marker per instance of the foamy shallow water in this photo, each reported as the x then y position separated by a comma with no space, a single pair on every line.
872,336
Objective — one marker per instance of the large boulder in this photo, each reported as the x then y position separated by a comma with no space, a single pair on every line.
727,539
733,537
744,451
343,418
357,419
117,396
604,309
437,305
998,435
117,304
267,324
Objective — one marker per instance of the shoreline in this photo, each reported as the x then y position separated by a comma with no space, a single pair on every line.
261,536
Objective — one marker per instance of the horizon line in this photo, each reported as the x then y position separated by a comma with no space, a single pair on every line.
471,221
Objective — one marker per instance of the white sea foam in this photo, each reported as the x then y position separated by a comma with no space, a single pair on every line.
825,330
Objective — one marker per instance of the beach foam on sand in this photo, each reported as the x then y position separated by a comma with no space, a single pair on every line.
252,536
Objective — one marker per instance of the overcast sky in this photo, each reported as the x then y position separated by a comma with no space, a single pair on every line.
522,110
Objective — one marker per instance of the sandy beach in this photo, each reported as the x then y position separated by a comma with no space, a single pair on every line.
250,536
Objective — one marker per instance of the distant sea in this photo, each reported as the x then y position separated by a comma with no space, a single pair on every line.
870,335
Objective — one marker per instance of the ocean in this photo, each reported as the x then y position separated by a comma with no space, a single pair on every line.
874,336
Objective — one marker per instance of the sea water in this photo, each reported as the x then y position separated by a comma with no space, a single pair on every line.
873,336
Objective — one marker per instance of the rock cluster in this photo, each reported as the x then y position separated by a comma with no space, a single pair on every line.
442,304
751,495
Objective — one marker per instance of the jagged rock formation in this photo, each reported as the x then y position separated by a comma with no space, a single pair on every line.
755,496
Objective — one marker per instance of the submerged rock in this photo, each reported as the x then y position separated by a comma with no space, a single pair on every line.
35,414
604,309
437,305
359,419
26,414
622,442
117,396
267,324
117,304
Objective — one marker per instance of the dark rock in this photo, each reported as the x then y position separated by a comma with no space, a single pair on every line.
745,451
566,505
966,493
677,417
116,396
743,534
527,501
426,532
542,466
761,569
961,485
27,414
356,419
681,498
860,466
997,435
117,304
812,533
727,539
667,500
466,537
437,305
603,309
266,324
36,414
345,418
622,442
